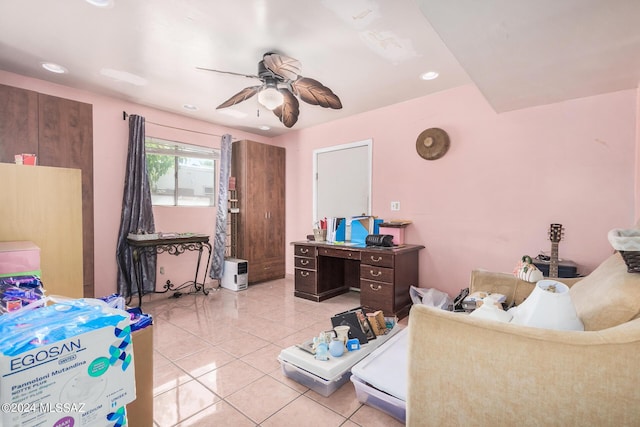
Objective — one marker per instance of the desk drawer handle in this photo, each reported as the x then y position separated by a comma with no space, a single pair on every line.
304,250
304,261
304,273
375,288
376,258
375,273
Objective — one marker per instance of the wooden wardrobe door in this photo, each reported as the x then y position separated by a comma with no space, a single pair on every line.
18,122
274,190
66,140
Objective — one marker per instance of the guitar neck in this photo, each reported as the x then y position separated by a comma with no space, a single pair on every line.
553,262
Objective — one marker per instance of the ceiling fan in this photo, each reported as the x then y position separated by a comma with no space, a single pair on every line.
281,82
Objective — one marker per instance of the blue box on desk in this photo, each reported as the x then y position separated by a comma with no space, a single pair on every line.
360,229
358,232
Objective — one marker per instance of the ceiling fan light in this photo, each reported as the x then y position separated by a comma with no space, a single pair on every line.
270,98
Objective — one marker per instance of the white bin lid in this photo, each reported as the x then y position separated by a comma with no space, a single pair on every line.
386,368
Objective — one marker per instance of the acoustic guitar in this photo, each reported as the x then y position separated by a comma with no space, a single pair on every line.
556,232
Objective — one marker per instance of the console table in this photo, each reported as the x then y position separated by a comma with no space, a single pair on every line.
173,246
383,275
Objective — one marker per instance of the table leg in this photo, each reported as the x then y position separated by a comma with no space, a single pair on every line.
137,272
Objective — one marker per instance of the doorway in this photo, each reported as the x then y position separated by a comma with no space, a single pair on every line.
342,180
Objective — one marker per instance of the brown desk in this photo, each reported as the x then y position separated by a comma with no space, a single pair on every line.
383,275
173,246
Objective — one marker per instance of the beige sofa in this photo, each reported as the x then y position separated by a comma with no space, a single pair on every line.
466,371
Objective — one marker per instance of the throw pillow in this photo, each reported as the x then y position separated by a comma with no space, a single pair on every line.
608,296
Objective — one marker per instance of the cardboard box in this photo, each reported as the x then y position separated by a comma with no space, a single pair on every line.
396,232
83,380
140,411
19,258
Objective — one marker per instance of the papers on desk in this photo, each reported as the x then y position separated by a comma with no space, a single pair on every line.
150,236
335,229
160,235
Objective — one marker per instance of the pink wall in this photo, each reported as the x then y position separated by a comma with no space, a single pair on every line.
110,140
506,177
637,171
576,159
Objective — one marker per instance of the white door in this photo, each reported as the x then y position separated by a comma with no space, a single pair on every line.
342,184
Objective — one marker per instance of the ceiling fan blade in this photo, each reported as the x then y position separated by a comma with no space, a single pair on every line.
289,110
315,93
283,66
251,76
243,95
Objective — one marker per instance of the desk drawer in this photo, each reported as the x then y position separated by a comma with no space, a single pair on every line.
305,281
379,258
373,272
302,262
377,296
304,250
339,253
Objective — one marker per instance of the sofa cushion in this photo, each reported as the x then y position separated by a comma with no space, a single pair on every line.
608,296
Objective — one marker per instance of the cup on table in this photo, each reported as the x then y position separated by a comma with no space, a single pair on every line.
319,235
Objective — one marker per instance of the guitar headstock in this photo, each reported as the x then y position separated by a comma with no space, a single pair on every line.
556,232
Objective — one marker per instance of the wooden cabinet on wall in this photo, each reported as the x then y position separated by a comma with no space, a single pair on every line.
60,132
259,170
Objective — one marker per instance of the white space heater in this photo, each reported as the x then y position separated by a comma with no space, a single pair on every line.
235,275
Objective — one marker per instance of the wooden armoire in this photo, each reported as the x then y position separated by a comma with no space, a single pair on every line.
60,132
259,170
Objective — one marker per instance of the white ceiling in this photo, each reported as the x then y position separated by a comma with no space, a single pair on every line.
369,52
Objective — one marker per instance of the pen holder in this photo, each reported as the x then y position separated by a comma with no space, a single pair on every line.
319,235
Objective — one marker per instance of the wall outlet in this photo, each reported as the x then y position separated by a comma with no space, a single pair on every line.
161,270
395,206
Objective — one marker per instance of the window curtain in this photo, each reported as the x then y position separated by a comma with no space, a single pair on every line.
220,238
137,214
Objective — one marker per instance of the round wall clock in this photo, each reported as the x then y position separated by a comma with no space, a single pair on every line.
432,143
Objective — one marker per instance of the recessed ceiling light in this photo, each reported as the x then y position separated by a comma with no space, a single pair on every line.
264,127
54,68
429,75
100,3
190,107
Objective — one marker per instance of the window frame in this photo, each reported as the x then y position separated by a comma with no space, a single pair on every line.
178,150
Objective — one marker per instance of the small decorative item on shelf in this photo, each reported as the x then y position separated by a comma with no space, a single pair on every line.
627,242
321,349
526,270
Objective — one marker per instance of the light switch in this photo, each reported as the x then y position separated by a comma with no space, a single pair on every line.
395,206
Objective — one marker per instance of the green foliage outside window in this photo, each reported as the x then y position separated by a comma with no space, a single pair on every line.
157,166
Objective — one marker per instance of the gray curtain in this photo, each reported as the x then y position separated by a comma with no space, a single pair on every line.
219,241
137,214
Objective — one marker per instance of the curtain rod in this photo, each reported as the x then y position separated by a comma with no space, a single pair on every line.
125,115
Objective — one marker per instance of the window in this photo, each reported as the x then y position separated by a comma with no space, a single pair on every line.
181,174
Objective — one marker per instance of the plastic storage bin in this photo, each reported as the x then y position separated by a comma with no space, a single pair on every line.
377,399
315,383
325,377
381,378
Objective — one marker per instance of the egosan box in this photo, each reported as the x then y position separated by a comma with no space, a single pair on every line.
82,380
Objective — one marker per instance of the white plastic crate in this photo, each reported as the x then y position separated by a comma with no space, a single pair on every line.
377,399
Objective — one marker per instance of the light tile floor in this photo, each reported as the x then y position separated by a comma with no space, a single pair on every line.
215,360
